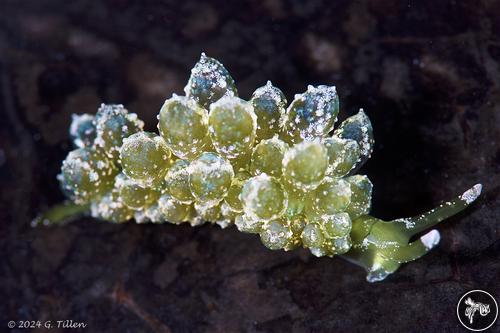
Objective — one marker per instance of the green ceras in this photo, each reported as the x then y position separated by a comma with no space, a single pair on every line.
269,169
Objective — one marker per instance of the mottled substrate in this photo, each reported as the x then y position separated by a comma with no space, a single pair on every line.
268,169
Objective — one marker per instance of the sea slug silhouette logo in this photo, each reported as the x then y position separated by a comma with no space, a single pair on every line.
477,310
473,307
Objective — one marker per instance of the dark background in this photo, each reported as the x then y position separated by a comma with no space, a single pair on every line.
426,72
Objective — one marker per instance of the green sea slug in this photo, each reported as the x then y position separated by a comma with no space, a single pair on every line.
284,173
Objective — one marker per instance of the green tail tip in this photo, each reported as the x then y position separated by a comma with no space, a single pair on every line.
59,214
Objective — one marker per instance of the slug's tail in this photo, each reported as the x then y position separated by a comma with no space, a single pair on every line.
60,213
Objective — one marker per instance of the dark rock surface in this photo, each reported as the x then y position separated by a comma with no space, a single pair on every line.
426,72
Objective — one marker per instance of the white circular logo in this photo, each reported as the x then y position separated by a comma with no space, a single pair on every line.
477,310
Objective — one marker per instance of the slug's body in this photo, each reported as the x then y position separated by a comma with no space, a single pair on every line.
273,170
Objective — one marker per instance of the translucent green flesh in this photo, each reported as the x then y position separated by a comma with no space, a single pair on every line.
268,169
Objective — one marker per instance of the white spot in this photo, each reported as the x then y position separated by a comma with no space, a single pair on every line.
472,194
430,239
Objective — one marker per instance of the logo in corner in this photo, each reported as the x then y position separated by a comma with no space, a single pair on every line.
477,310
